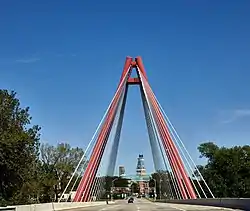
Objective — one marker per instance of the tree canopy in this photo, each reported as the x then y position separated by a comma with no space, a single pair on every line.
57,165
227,171
19,146
162,183
30,173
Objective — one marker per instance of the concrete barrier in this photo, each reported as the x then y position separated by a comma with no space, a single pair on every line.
52,206
7,208
234,203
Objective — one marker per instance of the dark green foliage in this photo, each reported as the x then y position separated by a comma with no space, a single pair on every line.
57,165
163,184
135,187
121,182
117,182
19,148
24,177
227,171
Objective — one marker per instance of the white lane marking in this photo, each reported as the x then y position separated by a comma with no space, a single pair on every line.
163,205
114,206
176,208
195,207
137,207
109,207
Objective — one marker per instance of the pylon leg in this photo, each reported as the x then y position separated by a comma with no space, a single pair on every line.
152,136
95,159
169,153
172,153
96,166
87,179
105,138
171,146
113,158
172,160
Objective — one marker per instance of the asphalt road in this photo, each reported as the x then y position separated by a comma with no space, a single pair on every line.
144,205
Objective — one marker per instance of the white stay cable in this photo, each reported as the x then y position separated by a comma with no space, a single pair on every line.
167,165
178,138
191,173
92,139
113,142
171,132
94,187
100,192
151,114
105,151
154,123
159,112
76,169
102,186
123,82
80,174
190,170
99,187
97,183
77,179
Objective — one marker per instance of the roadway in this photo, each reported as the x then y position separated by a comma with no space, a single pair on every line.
145,205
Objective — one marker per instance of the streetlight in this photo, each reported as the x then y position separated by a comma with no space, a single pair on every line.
112,185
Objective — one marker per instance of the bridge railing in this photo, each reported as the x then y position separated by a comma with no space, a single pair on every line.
234,203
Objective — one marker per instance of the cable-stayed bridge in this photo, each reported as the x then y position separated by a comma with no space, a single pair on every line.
186,183
165,143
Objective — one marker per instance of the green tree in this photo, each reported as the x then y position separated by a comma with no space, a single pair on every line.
121,182
114,181
163,184
227,171
19,147
135,187
57,166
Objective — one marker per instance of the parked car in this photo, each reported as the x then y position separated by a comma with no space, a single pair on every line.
131,200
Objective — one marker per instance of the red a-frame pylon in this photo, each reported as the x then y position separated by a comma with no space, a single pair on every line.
155,122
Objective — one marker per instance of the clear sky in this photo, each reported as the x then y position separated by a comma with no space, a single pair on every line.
64,59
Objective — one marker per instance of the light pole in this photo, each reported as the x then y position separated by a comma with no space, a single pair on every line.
112,185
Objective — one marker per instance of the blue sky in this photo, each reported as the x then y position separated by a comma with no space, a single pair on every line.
64,59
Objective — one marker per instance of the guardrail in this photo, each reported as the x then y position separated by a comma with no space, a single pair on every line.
234,203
